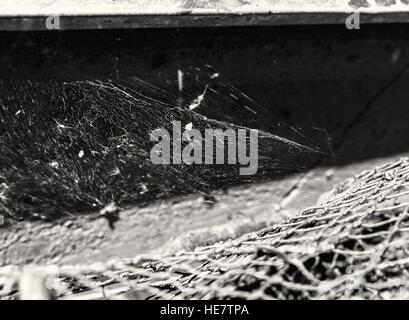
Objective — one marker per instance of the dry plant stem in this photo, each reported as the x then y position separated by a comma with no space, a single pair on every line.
354,244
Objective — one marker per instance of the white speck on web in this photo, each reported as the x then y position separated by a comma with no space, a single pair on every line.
61,126
189,126
115,172
144,188
180,80
198,100
54,164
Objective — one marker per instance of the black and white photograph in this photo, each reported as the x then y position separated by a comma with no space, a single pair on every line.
217,150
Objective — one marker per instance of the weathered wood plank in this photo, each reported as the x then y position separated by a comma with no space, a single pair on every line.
101,14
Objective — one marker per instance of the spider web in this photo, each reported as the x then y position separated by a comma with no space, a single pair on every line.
69,148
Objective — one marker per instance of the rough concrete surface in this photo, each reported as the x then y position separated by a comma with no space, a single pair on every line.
174,224
122,14
95,7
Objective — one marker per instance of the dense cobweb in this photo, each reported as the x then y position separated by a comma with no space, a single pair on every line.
74,147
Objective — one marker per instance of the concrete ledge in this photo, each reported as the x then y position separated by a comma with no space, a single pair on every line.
21,15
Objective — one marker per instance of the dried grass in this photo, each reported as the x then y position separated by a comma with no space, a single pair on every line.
354,244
